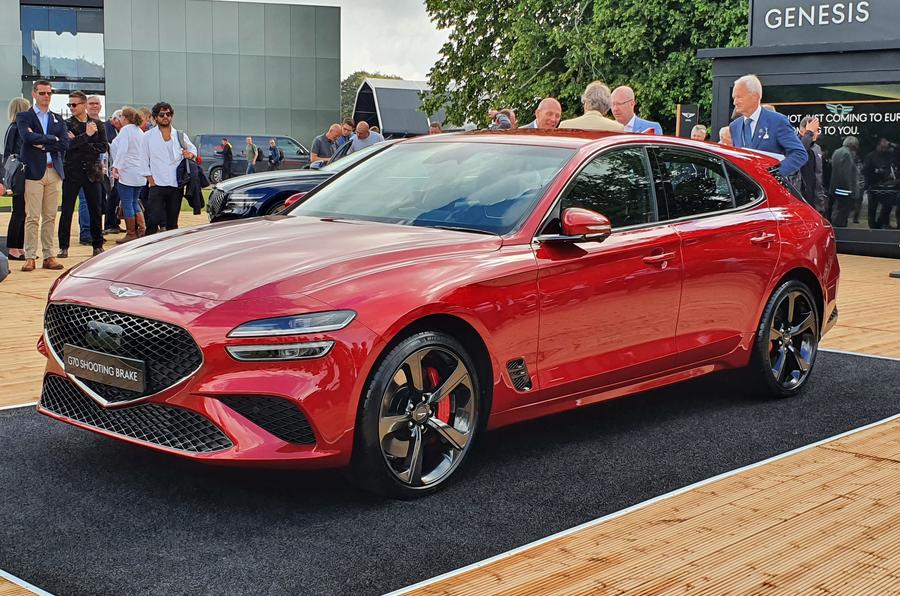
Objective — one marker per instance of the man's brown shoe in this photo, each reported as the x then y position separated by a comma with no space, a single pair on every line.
52,264
29,265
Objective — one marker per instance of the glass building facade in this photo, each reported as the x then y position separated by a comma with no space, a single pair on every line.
226,67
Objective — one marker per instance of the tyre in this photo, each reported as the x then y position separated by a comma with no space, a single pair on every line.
787,341
215,175
418,417
275,208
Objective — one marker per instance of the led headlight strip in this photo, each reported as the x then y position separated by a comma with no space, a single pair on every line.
270,352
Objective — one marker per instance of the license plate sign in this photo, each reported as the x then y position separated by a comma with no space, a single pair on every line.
124,373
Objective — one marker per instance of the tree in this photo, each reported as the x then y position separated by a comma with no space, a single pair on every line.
350,85
511,53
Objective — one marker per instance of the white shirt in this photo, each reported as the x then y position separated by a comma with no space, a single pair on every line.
754,120
164,157
630,126
128,156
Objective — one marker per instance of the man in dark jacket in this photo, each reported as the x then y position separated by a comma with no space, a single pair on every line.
44,142
844,180
227,153
811,171
881,175
87,143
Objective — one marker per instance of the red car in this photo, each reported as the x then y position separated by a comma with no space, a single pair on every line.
453,284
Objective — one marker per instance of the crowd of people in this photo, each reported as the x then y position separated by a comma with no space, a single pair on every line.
131,165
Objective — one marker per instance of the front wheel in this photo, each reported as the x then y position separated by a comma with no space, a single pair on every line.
787,340
418,417
215,175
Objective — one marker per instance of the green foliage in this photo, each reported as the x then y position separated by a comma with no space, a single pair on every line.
511,53
350,85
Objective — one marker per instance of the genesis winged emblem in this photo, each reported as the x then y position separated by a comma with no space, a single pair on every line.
125,292
838,109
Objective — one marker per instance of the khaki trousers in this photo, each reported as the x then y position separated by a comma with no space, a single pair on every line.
41,203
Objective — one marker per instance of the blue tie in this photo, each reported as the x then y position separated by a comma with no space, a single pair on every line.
748,134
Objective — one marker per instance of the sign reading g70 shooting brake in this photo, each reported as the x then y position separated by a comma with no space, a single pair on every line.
792,22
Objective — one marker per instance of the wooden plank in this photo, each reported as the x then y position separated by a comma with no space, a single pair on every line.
7,588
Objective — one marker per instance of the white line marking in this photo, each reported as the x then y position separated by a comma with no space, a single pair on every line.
33,403
859,354
23,583
643,504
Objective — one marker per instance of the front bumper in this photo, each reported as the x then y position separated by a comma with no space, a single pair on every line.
298,414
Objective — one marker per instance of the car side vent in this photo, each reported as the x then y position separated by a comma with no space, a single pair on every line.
518,373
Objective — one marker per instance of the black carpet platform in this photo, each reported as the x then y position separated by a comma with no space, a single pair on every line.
81,514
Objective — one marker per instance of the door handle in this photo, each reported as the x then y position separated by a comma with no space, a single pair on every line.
660,258
764,238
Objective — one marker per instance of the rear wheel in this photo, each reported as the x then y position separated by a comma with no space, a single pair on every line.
418,418
787,340
215,175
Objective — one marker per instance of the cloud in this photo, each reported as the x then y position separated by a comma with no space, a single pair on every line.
391,36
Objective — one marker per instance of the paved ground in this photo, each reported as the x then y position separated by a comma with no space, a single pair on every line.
85,514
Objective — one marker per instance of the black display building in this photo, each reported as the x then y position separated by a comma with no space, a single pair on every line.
836,60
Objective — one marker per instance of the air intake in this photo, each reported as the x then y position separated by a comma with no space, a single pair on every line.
519,375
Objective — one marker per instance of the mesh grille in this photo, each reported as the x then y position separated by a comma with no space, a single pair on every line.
519,375
216,201
277,416
152,423
169,352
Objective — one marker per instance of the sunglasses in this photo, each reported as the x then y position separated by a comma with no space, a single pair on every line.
44,93
164,115
75,105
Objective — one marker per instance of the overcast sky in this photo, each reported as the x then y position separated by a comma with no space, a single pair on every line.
390,36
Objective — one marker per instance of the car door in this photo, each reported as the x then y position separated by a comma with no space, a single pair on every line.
730,246
295,155
608,309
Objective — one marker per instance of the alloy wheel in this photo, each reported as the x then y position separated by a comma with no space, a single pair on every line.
793,339
427,417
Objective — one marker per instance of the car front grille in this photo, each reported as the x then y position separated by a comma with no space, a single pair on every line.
275,415
157,424
216,202
169,352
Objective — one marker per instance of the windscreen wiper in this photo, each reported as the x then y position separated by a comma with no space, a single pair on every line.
464,229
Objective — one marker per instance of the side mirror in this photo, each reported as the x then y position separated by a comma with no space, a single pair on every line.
580,225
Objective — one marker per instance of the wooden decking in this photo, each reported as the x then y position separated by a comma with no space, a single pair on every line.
825,520
7,588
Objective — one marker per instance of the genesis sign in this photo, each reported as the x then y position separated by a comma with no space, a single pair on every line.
792,22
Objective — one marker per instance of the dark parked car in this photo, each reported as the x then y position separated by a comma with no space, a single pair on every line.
296,156
266,192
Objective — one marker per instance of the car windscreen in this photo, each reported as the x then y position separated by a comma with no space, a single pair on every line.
482,187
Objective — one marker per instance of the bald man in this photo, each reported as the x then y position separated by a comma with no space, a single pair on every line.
547,114
623,105
725,136
325,145
364,137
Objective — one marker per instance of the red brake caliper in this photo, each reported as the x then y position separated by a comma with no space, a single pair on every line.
434,380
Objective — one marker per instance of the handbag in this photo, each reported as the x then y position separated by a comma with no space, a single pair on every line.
13,171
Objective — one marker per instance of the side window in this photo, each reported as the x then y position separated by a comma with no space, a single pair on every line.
695,183
290,148
614,184
744,190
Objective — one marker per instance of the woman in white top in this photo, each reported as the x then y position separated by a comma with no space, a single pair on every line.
129,168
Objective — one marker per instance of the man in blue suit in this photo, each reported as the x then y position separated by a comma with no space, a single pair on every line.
623,104
44,142
756,128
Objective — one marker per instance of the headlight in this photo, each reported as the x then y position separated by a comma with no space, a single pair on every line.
304,351
316,322
244,199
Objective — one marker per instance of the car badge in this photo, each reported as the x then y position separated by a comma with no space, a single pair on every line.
125,292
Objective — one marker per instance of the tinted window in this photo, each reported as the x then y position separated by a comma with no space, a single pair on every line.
489,187
695,182
616,185
289,147
743,189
